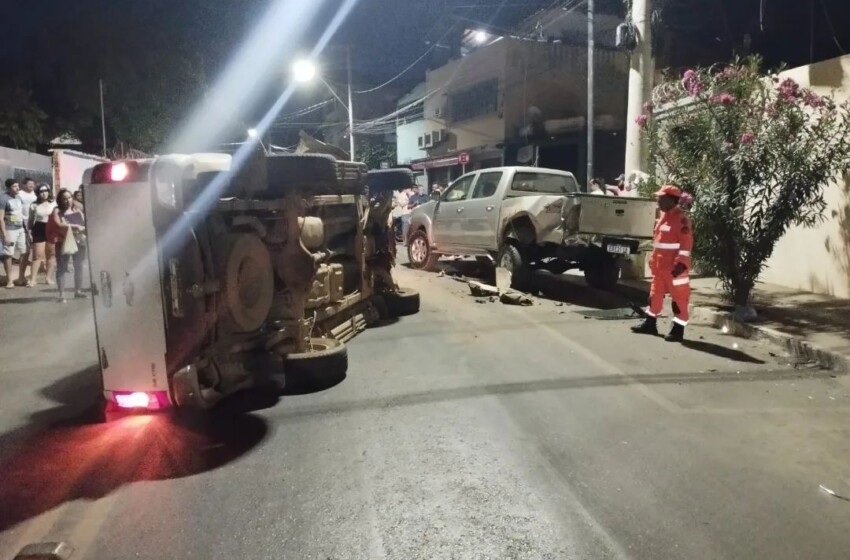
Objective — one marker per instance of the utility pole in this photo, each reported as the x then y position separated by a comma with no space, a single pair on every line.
350,109
102,117
640,86
590,112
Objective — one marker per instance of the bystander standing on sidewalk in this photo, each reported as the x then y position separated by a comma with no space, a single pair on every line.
66,220
13,229
28,198
79,200
42,251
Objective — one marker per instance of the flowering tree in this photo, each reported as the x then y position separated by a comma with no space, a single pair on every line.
755,153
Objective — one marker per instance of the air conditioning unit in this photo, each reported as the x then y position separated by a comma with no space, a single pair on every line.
438,136
429,140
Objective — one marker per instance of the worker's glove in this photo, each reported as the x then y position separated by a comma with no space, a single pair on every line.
678,269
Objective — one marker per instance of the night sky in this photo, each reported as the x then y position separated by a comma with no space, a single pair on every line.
46,36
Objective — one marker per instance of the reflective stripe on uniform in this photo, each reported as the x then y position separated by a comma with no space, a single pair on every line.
680,322
667,245
649,313
681,281
685,253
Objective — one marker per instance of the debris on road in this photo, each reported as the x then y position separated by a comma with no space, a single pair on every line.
826,490
515,298
479,289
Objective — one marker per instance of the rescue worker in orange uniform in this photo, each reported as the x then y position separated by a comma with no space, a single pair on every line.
670,264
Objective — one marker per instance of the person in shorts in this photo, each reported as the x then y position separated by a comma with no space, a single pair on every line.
12,230
42,251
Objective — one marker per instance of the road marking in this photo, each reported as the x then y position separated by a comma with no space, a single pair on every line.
84,533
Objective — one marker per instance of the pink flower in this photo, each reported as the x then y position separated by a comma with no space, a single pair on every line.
727,99
812,99
789,90
747,138
714,100
641,120
686,199
691,83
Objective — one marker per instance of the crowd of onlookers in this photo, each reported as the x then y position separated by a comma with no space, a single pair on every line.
39,230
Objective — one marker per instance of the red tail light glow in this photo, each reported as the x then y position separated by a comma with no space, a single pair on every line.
116,172
141,400
133,400
119,171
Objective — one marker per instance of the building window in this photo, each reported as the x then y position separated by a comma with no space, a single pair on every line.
480,99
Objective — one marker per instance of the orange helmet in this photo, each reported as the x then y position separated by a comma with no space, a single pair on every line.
670,190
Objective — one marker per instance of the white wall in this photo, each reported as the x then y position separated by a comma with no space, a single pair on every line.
22,161
818,259
407,142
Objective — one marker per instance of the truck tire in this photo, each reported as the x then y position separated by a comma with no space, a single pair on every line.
511,259
328,358
387,180
402,302
419,252
247,281
603,274
556,266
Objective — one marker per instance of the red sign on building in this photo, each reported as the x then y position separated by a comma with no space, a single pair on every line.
463,158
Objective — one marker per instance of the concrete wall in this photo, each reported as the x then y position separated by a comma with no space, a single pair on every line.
818,259
480,65
407,138
18,164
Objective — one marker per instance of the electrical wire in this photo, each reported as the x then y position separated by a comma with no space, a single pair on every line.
831,27
403,72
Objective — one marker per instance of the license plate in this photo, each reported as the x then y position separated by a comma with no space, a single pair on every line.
618,249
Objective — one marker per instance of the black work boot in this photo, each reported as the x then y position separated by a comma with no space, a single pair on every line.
647,326
677,333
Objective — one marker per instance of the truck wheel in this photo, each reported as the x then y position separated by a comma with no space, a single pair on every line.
603,275
511,259
419,251
556,266
327,359
247,281
402,302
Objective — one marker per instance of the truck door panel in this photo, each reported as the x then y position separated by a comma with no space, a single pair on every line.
482,213
450,214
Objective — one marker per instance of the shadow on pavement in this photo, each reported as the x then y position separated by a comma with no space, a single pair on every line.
307,385
34,299
566,288
721,351
62,456
544,385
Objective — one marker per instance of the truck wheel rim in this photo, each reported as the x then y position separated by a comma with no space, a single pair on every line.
418,250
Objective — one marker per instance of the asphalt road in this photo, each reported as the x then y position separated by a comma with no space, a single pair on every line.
471,430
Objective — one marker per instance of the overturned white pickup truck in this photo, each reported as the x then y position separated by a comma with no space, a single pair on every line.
528,218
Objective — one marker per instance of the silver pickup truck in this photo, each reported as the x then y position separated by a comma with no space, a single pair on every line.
528,218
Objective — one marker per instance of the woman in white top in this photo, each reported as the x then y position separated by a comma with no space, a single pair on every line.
42,251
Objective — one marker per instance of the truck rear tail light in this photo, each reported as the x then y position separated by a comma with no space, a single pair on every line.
119,171
141,400
115,172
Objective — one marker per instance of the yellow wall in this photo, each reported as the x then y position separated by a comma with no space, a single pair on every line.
818,259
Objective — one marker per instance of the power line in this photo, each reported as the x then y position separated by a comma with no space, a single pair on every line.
831,27
403,72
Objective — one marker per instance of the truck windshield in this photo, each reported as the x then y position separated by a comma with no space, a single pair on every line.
543,183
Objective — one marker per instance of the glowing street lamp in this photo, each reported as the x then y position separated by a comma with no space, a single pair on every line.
304,71
481,37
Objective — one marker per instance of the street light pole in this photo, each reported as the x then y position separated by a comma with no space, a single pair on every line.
640,86
350,109
590,110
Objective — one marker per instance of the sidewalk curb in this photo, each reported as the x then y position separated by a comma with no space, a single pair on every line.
799,348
